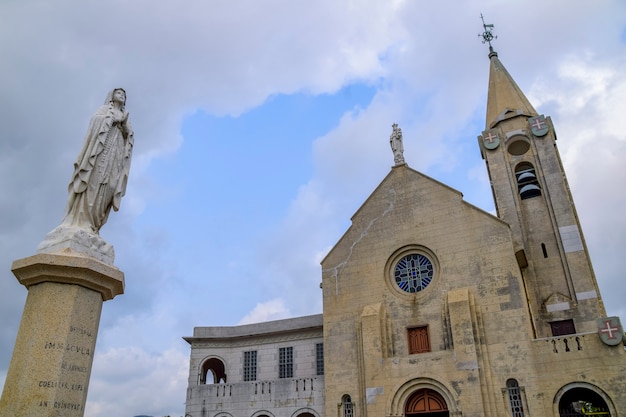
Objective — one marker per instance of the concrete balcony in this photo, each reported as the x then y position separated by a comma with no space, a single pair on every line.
246,398
574,346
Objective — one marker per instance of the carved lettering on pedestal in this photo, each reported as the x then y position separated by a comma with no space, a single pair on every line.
67,406
54,345
77,350
73,368
61,405
70,348
80,330
60,384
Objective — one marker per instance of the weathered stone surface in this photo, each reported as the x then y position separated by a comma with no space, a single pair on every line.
51,364
77,240
69,267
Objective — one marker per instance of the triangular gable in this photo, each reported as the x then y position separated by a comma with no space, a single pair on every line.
453,196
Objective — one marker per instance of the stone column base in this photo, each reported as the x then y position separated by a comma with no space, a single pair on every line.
51,363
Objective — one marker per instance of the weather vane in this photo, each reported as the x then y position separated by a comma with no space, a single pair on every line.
487,35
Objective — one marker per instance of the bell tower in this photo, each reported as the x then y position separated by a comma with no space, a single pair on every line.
532,195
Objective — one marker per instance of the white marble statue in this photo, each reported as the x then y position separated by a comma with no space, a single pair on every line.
98,182
395,140
101,170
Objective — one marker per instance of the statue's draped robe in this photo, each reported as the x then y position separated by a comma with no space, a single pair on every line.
100,172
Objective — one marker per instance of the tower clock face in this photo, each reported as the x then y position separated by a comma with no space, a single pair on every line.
413,273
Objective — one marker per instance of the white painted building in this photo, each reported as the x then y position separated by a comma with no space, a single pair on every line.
273,369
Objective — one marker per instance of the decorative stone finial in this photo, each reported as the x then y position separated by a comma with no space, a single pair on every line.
395,140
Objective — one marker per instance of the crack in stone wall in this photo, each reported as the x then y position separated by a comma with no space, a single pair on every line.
336,270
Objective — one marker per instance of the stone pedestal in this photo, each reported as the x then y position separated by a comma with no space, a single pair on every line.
51,364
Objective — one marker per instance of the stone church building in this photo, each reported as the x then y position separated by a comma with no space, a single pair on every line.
433,307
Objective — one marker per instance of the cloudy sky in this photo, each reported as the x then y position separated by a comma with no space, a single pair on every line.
260,128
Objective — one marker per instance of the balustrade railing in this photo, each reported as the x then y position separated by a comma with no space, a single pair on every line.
570,343
262,389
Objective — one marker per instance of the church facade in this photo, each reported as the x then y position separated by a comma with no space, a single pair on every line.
433,307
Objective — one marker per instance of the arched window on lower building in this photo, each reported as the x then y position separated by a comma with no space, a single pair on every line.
212,371
347,406
515,398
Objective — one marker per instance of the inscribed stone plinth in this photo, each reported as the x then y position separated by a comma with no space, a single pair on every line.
51,364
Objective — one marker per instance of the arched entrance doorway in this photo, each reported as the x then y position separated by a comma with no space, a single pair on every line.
578,402
426,403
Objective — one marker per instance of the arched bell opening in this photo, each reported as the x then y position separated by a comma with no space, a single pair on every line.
527,183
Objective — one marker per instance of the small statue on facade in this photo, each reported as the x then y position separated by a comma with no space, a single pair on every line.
98,182
395,140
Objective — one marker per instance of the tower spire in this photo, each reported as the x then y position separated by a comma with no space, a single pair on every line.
532,196
504,98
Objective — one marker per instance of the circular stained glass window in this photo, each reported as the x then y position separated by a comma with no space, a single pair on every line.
413,273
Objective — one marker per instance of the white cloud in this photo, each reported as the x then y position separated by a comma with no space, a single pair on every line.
131,381
266,311
589,100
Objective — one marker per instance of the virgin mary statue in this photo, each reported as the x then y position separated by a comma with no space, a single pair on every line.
101,169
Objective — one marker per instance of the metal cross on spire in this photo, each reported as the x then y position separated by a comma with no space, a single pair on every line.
487,35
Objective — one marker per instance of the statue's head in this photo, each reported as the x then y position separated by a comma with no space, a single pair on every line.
111,96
